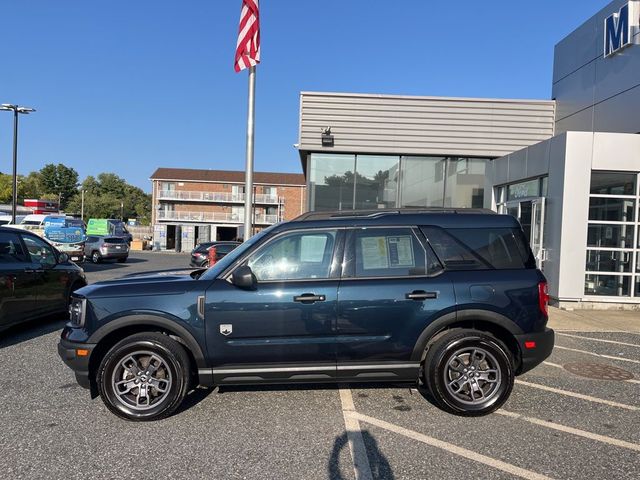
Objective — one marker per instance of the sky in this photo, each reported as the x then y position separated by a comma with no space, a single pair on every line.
129,86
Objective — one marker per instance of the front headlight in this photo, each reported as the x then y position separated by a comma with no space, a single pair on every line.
77,311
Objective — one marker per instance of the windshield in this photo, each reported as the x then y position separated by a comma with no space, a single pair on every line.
227,260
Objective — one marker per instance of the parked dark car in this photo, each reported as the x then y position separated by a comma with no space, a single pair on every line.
200,254
36,280
99,248
448,299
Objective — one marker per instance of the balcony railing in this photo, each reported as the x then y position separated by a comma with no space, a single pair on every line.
221,197
217,217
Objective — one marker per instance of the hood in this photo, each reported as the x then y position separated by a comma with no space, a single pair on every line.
164,282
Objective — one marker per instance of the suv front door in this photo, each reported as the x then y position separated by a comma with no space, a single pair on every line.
392,287
284,329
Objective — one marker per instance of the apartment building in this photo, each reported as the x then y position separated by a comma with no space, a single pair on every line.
192,206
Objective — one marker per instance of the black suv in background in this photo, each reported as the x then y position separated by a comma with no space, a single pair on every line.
451,299
36,280
200,254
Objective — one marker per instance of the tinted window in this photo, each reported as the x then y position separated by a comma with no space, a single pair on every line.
203,247
39,251
224,248
91,239
387,252
10,248
297,255
480,248
114,240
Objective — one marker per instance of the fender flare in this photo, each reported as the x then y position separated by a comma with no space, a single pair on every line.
452,318
156,321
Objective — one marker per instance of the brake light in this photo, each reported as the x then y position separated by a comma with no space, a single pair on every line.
543,298
529,345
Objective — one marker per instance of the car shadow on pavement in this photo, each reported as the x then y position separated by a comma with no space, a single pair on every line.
30,330
378,463
109,264
193,398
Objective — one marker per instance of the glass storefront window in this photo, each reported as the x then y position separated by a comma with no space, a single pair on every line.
465,183
331,181
611,209
607,285
346,182
608,261
617,236
422,183
376,181
613,183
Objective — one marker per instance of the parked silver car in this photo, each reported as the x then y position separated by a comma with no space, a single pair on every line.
99,248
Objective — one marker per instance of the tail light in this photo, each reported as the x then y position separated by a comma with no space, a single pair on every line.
543,298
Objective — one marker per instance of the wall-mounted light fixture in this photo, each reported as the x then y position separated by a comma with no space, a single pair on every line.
327,138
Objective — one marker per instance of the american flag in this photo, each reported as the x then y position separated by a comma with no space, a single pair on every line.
248,47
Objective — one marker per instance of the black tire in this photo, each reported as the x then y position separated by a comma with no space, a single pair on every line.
172,374
96,257
122,260
459,388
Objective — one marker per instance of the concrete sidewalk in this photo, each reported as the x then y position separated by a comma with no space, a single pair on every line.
594,320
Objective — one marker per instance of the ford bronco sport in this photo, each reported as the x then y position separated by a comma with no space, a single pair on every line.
451,299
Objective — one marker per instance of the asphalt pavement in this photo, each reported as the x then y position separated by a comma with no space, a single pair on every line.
557,424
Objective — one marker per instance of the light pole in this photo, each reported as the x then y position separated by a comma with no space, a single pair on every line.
16,110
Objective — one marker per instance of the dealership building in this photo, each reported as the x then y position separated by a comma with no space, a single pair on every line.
568,168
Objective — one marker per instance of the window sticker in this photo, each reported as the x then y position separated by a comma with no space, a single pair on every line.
312,248
374,252
400,251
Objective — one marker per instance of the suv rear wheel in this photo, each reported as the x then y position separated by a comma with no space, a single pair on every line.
96,257
144,377
469,372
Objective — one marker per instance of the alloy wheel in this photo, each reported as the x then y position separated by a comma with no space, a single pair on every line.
472,375
141,380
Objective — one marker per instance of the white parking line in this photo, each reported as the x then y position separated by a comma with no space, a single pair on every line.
574,431
578,395
598,340
361,467
448,447
622,359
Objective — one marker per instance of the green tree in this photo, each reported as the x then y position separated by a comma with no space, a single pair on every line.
110,196
59,180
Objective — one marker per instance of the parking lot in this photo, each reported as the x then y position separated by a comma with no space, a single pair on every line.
572,417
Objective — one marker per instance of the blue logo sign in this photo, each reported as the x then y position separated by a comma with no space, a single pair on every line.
617,31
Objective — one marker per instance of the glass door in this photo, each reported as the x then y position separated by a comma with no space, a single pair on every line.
537,230
530,213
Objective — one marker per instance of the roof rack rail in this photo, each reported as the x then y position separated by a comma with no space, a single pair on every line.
344,214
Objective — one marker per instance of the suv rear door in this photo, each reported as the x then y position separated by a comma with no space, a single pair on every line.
392,287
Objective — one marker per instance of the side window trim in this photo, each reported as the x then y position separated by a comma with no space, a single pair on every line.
334,269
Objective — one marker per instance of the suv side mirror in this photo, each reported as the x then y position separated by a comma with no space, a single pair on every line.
243,277
63,258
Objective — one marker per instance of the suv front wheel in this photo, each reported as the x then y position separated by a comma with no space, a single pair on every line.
144,377
469,372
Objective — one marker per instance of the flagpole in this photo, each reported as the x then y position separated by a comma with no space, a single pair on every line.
248,185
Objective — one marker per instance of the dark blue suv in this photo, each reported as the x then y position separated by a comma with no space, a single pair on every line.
451,299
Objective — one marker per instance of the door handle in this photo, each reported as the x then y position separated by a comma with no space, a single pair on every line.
201,306
309,298
421,295
34,270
